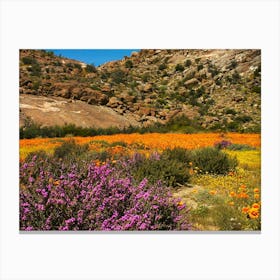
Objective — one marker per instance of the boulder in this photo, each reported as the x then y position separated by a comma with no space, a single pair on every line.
114,102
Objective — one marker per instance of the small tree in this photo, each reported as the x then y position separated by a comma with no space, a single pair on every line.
129,64
90,68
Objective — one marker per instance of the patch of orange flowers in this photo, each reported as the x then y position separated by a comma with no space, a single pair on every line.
253,212
159,141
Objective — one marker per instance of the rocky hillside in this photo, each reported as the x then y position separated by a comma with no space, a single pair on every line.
215,88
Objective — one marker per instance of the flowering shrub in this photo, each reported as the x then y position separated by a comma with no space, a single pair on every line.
92,197
222,144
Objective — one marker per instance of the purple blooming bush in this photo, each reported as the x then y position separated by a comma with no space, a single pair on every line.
223,144
91,197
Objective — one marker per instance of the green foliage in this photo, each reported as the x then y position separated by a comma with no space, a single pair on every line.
50,53
35,68
233,126
90,68
188,63
40,155
257,89
199,67
78,66
70,148
146,77
240,147
129,64
57,63
243,119
179,154
27,60
179,68
232,65
36,84
235,77
213,160
230,111
118,76
171,172
162,66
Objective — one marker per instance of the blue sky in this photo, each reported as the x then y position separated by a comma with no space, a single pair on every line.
97,57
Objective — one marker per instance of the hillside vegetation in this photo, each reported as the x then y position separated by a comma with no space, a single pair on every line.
212,89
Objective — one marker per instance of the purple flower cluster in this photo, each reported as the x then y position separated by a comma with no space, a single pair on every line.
222,144
94,198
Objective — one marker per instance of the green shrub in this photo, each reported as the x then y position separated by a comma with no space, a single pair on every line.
35,68
243,119
129,64
235,77
57,63
199,67
90,68
36,84
27,60
188,63
118,76
212,160
233,126
256,89
230,111
179,154
170,171
70,149
179,68
162,66
240,147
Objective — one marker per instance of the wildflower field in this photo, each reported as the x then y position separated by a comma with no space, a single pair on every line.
205,181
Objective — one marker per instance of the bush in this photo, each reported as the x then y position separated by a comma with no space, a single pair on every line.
27,60
212,160
222,144
243,119
256,89
35,66
199,67
129,64
118,76
230,111
188,63
170,171
93,197
90,68
70,149
179,154
179,68
162,66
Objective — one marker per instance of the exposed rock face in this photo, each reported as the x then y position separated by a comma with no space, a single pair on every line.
215,87
50,111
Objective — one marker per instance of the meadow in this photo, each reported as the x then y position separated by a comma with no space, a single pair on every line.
153,181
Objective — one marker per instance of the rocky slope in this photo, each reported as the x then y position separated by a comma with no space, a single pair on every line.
216,88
